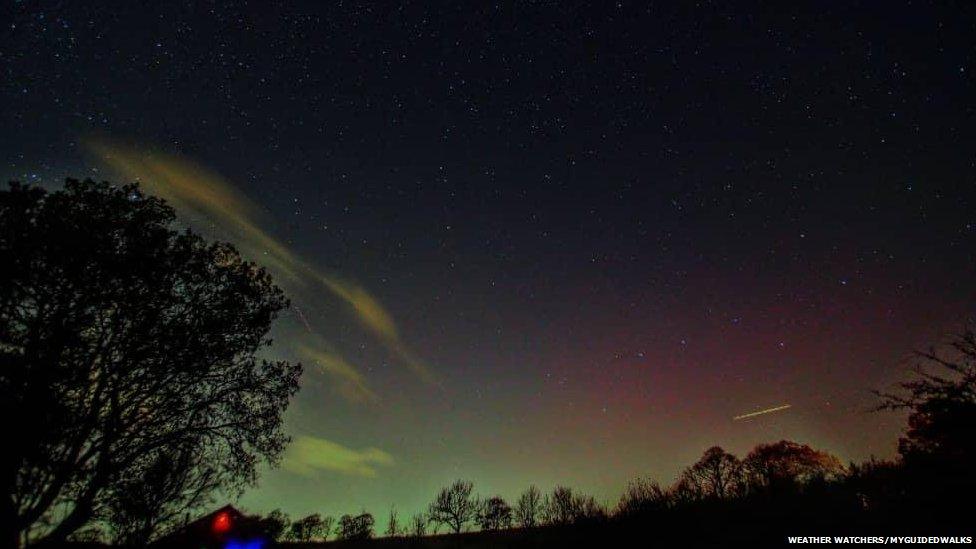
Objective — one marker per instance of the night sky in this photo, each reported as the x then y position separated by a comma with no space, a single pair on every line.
540,242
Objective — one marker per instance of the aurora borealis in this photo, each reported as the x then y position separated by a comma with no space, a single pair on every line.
540,242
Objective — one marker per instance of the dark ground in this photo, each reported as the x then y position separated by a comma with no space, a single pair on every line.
755,525
736,528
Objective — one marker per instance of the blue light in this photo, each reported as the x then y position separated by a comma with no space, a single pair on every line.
249,544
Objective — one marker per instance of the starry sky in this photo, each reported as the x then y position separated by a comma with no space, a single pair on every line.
539,242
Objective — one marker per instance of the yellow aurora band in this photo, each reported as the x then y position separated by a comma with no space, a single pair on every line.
208,200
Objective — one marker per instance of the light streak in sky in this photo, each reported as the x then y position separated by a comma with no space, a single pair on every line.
762,412
301,316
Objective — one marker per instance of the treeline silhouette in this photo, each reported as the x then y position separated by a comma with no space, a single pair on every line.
777,490
132,396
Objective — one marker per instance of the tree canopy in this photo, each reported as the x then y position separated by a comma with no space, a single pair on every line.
938,447
941,401
128,356
786,463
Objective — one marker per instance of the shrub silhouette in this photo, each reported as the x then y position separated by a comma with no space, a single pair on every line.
276,525
494,514
310,528
356,527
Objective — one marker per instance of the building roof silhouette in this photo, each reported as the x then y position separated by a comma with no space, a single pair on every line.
214,529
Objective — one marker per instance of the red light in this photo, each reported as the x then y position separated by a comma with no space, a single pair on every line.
221,523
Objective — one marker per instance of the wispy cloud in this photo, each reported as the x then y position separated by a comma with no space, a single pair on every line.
308,455
372,314
209,199
352,384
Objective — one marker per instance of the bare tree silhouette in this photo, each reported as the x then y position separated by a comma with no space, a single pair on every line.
393,526
454,506
528,508
717,474
643,496
560,507
418,525
123,338
563,506
591,511
685,491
